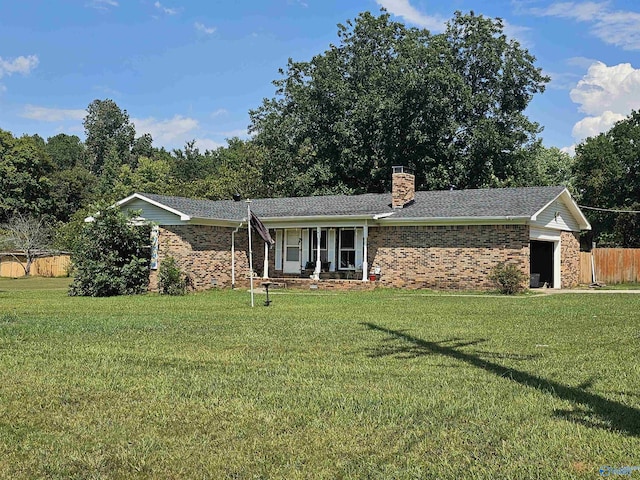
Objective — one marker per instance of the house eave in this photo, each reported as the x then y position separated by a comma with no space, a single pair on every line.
386,219
501,220
183,216
215,222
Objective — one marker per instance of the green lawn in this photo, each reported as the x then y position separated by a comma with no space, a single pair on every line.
383,385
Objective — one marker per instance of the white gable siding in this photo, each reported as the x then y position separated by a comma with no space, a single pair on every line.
558,217
153,213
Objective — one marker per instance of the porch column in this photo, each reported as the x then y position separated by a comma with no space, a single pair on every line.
316,272
265,271
365,264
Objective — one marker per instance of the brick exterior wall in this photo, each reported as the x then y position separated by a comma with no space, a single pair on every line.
569,259
204,253
446,257
437,257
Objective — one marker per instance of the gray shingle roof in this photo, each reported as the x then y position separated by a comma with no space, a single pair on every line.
503,202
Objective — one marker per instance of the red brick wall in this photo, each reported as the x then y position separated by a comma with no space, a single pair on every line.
446,257
569,259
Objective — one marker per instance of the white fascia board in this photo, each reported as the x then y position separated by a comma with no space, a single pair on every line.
571,205
216,222
316,221
519,220
183,216
575,209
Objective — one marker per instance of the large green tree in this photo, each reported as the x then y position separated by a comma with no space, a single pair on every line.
25,170
554,167
66,151
449,105
606,176
236,168
108,131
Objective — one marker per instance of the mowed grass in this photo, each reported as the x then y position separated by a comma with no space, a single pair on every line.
384,384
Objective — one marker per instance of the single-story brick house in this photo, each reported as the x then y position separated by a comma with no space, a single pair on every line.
434,239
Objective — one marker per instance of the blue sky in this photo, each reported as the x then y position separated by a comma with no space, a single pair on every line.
192,70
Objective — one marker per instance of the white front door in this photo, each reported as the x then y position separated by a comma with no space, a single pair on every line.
292,244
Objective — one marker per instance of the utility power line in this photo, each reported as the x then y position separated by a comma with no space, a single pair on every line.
608,209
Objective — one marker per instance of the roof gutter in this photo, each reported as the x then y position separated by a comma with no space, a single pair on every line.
383,215
457,220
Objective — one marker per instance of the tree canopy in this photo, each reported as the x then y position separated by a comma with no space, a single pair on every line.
606,173
449,105
25,170
108,131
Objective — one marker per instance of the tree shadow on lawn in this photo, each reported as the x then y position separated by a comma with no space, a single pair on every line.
610,415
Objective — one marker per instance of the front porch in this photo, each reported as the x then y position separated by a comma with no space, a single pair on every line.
318,253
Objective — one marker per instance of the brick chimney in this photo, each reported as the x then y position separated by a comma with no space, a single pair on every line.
403,187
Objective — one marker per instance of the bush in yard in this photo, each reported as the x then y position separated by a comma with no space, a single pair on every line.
111,256
508,278
171,279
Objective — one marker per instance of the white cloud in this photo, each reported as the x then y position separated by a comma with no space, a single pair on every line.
102,4
219,112
402,8
581,62
517,32
607,94
562,81
45,114
166,10
583,12
204,29
208,144
169,133
21,64
240,132
570,150
619,28
615,88
592,126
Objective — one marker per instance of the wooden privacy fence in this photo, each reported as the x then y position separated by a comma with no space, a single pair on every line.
612,265
53,266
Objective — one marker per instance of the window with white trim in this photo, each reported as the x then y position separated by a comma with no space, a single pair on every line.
347,249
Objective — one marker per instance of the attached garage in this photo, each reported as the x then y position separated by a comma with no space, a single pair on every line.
554,243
